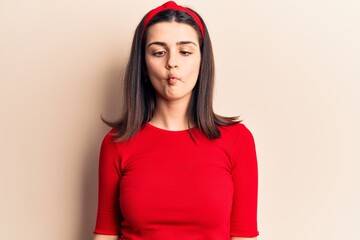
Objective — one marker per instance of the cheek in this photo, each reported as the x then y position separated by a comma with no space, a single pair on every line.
193,67
152,68
150,64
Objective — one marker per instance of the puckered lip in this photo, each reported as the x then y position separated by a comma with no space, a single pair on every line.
172,76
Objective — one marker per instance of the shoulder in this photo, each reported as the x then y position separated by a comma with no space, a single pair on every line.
236,131
110,142
236,137
110,137
241,145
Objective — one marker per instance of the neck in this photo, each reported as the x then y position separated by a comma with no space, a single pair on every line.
170,115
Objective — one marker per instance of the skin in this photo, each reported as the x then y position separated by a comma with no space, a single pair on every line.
105,237
172,50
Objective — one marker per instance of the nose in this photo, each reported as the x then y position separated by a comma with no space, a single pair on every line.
172,61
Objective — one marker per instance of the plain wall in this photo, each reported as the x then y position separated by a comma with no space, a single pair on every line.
290,68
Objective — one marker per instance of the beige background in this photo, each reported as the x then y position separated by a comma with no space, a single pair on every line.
290,68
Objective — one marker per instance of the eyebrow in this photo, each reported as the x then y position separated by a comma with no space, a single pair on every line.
164,44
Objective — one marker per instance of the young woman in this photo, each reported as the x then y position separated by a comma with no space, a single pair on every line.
171,168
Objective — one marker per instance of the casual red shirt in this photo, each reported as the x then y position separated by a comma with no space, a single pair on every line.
162,185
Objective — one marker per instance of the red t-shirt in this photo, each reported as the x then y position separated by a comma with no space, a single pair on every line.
162,185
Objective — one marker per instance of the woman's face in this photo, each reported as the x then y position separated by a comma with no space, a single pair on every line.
172,56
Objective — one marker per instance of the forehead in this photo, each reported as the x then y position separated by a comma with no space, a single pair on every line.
169,32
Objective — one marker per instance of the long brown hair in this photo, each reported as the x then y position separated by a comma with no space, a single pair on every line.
139,95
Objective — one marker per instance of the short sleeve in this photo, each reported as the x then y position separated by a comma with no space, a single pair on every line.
245,179
108,213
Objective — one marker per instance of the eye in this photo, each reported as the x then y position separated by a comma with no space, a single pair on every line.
185,53
159,53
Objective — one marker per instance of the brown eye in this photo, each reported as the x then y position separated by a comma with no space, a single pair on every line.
159,54
185,53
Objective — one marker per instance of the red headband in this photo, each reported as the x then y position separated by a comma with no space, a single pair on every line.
173,6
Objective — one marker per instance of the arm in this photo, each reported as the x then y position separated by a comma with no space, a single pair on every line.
108,213
245,179
105,237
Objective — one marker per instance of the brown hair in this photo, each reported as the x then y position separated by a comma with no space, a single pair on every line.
139,95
